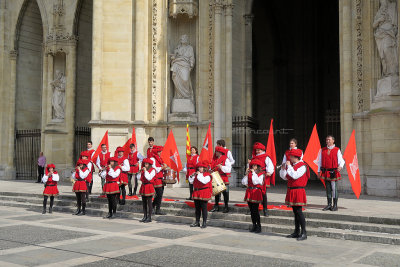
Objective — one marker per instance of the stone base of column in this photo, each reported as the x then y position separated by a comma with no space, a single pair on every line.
7,173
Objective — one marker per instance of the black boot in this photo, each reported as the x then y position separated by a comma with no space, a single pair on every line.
148,219
334,208
51,210
83,211
253,228
130,192
258,228
226,209
204,225
329,206
108,216
44,211
196,224
122,202
303,236
265,212
77,212
144,218
159,212
216,208
113,215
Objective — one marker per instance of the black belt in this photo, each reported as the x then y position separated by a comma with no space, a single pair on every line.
198,189
253,187
191,168
297,187
111,182
133,165
329,170
79,179
50,185
146,183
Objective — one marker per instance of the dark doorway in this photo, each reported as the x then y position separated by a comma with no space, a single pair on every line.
296,70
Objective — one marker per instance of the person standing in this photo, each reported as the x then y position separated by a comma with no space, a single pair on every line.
254,180
134,158
190,168
85,155
123,163
147,176
297,174
222,165
292,145
330,163
102,161
150,140
159,165
91,151
202,186
111,188
221,143
41,164
80,188
50,180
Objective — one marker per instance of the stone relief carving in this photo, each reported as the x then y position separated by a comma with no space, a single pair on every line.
189,7
58,99
385,26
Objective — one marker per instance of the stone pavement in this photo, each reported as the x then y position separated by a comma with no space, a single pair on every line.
29,238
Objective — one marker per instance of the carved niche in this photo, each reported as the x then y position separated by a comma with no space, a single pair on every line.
188,7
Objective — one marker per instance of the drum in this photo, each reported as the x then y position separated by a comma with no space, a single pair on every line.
169,176
218,185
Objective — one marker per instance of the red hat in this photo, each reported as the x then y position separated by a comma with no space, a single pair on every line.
112,159
81,161
296,153
220,149
50,166
84,154
119,149
258,145
147,160
203,163
255,162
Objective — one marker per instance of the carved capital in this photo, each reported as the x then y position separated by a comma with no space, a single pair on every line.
13,54
218,6
229,9
188,7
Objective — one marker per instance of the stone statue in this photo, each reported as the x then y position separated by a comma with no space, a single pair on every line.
58,99
385,25
182,62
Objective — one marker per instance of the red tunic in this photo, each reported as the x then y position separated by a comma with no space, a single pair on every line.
191,165
91,153
202,191
253,192
133,162
50,188
147,187
123,177
104,159
330,162
267,179
80,184
149,154
111,185
221,160
296,194
159,175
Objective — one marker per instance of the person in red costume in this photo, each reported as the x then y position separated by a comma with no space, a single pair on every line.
222,165
50,180
80,188
159,166
297,173
123,163
190,168
134,158
147,176
111,189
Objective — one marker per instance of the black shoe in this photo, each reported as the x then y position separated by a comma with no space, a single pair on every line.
215,208
189,198
258,229
143,219
159,212
119,201
82,213
295,234
44,211
130,192
196,224
113,216
265,212
122,202
77,212
50,210
302,237
87,200
329,206
226,209
148,219
334,208
108,215
253,228
204,225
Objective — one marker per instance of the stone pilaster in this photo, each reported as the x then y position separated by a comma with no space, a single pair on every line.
228,72
218,123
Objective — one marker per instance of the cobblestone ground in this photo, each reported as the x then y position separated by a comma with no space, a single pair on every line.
29,238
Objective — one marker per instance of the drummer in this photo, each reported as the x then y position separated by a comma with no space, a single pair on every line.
222,165
202,186
254,180
190,168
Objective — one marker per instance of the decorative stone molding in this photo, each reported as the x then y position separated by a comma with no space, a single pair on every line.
188,7
210,61
13,54
154,49
359,62
229,9
248,19
218,6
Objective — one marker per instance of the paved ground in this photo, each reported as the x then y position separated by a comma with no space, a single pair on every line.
31,239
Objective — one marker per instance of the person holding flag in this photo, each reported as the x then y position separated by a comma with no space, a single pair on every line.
190,167
222,165
147,176
111,188
159,166
102,161
292,145
50,180
330,163
91,151
202,184
134,158
268,169
123,163
296,172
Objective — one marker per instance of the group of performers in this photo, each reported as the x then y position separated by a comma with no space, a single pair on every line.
117,171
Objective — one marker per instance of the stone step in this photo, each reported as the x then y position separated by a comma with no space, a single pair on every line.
214,220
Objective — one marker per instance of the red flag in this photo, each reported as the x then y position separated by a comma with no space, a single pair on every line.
313,152
126,147
270,151
98,150
207,149
170,154
133,138
350,156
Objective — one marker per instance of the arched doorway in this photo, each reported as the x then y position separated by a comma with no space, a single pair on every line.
296,69
28,98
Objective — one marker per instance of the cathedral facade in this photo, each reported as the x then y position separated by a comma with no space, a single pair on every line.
72,69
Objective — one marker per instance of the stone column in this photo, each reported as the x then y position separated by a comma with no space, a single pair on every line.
218,127
247,94
97,60
228,73
70,104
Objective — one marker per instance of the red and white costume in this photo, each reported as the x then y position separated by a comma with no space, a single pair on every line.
266,164
254,182
123,163
191,165
157,164
329,159
147,178
80,176
102,160
50,182
226,167
111,175
202,186
134,162
297,177
286,155
89,165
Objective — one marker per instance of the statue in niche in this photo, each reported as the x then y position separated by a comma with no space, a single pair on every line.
182,63
385,25
58,99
